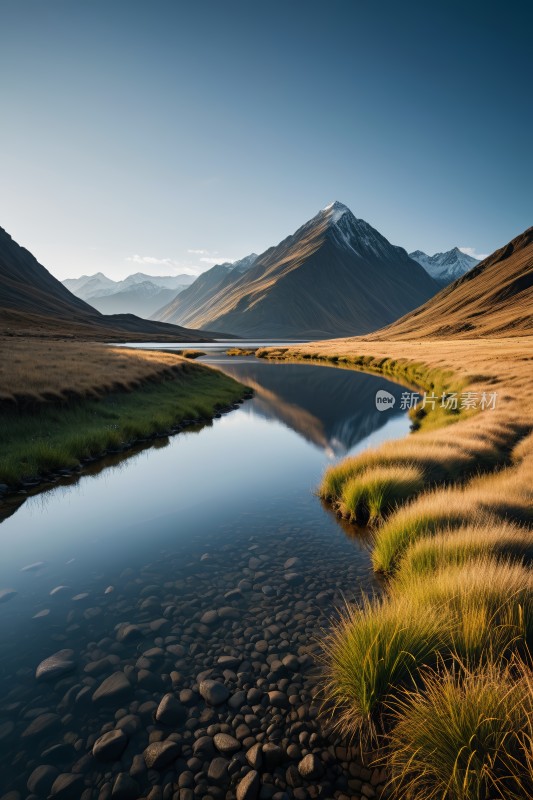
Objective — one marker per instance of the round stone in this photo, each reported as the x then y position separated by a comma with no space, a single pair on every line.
110,746
42,724
310,767
160,754
209,617
41,779
128,633
226,744
115,688
55,666
125,788
248,788
67,786
254,756
213,692
169,710
218,770
278,699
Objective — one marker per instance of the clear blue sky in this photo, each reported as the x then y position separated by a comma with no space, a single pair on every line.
145,130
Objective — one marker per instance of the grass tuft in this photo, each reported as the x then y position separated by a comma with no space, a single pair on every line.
487,602
370,652
457,546
462,737
371,494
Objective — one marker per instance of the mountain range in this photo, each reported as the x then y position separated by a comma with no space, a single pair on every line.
139,293
33,302
445,267
494,298
336,275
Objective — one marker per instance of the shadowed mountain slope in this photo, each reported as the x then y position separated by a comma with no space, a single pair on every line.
493,299
33,302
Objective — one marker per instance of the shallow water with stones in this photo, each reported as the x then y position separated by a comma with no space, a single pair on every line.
206,557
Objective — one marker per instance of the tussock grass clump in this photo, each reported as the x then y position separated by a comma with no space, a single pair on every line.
373,650
437,461
457,546
372,493
427,514
192,354
463,737
437,457
488,604
507,495
240,351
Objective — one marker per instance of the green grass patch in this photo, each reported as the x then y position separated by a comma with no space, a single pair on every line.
52,437
480,612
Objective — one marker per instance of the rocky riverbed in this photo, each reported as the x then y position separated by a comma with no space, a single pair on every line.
192,676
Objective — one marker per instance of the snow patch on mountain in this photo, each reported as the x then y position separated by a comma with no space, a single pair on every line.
335,211
445,267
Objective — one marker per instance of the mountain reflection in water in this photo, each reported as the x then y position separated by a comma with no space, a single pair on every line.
330,407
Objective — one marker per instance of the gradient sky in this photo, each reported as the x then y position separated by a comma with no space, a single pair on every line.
187,133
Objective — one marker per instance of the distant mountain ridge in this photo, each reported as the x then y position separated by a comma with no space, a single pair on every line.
139,293
495,298
32,301
445,267
336,275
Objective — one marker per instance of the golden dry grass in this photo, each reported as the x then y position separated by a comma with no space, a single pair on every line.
450,546
454,549
372,492
480,441
465,736
34,371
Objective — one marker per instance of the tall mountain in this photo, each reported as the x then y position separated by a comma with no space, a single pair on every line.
445,267
493,299
137,294
33,301
336,275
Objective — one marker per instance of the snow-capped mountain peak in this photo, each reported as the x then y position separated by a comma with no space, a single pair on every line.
335,211
445,267
351,233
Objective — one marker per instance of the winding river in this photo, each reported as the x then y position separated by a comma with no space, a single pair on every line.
204,556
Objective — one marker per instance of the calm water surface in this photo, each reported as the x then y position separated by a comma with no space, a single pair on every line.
181,524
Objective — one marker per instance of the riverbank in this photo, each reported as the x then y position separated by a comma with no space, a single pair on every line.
63,405
455,620
207,557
